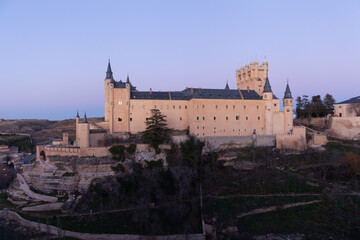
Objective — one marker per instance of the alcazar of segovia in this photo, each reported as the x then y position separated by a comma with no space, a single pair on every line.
252,107
236,114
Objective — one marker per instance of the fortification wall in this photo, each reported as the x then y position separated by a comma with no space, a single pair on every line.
95,138
318,122
239,141
345,128
290,141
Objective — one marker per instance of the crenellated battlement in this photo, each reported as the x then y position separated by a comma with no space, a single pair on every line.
252,76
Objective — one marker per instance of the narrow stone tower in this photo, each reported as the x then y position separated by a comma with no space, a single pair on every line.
109,97
77,130
84,135
268,99
288,109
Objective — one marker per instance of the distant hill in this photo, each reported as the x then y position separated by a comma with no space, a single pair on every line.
42,131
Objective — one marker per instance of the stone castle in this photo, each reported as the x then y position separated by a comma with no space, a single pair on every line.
250,109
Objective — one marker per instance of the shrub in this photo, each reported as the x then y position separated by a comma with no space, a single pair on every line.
154,164
131,149
118,168
118,152
69,174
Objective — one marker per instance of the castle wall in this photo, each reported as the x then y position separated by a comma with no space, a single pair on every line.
345,127
226,117
121,119
95,138
176,112
279,119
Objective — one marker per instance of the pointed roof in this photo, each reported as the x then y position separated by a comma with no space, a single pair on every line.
287,93
77,113
127,79
85,119
267,87
227,86
109,73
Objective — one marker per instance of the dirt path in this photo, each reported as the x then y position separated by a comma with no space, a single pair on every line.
274,208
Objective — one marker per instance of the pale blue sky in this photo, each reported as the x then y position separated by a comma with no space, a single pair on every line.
53,54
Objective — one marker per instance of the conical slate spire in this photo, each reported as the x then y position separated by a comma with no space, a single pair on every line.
287,92
267,87
77,114
85,119
227,86
127,79
109,73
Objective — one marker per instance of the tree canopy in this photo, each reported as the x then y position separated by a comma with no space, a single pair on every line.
156,131
317,107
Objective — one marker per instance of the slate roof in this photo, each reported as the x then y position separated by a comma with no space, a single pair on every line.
198,93
287,93
351,100
122,84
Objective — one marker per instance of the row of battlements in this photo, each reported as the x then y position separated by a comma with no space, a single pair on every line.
253,66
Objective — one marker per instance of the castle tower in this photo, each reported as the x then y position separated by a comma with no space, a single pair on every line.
252,76
77,130
128,89
267,96
288,109
109,79
84,133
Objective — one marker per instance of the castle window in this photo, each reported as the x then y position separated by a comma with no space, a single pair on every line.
203,118
227,118
216,106
286,101
167,106
237,117
244,106
147,119
257,106
227,106
339,106
264,96
132,107
154,106
203,127
180,118
234,106
119,119
197,134
185,107
203,134
173,106
197,127
160,106
179,107
120,102
130,119
275,104
247,118
197,106
203,106
214,118
290,101
287,110
197,118
143,106
214,128
233,130
340,114
258,118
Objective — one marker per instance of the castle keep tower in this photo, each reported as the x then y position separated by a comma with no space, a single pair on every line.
288,109
252,77
84,133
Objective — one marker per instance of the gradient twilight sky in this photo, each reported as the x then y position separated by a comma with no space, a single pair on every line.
53,54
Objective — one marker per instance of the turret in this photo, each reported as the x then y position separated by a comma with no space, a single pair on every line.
77,130
269,107
109,85
267,92
227,86
84,135
288,109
